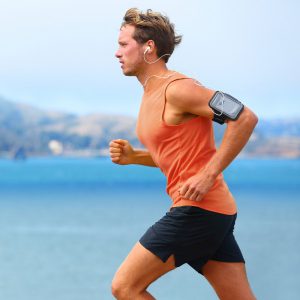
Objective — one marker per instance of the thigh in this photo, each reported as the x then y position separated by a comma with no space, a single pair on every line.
228,279
141,267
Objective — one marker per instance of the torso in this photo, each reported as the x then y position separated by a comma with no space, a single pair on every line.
180,144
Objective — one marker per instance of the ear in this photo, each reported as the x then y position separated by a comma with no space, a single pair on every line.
149,46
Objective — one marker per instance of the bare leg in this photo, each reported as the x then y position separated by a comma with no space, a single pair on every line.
140,268
229,280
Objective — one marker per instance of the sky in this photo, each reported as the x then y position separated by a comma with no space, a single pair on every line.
59,54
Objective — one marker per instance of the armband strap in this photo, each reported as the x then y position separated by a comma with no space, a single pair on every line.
219,119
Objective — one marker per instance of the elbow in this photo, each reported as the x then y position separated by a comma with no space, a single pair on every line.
250,118
253,119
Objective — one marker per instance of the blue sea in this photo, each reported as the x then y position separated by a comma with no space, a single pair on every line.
66,224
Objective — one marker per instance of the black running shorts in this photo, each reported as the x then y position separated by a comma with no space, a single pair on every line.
194,236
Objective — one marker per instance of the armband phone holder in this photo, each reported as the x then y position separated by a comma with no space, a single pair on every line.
225,107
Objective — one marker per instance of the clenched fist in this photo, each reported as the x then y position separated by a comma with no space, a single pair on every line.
121,152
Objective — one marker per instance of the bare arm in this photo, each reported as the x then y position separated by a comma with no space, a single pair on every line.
191,98
122,153
236,136
142,157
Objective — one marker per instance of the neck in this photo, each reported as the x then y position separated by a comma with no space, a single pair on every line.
157,69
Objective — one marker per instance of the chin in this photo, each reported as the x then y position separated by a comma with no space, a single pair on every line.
129,73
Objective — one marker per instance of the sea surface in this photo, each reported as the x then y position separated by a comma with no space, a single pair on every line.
66,224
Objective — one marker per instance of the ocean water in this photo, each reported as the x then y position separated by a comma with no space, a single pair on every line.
67,224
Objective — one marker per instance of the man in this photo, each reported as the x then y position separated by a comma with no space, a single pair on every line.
175,125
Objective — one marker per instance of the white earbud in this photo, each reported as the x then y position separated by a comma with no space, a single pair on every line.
147,49
153,62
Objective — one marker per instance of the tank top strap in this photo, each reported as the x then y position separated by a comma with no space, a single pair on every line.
174,78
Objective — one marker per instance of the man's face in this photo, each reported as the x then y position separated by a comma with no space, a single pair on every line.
130,53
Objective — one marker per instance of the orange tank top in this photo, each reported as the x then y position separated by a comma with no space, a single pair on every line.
180,151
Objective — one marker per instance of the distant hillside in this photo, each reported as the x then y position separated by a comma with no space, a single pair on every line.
28,131
31,129
279,128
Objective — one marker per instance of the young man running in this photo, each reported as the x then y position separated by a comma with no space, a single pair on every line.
175,126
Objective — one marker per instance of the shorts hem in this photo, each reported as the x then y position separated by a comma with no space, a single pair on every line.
229,260
163,258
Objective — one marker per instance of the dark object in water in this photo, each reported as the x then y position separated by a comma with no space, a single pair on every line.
20,154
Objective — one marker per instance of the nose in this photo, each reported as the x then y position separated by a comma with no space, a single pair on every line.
118,54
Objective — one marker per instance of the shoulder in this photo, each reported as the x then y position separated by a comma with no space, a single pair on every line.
189,95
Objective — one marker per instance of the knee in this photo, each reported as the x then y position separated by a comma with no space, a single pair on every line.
121,290
117,289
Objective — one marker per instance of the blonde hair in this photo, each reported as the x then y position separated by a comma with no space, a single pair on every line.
153,26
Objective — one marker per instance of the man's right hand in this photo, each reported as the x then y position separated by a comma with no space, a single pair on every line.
121,152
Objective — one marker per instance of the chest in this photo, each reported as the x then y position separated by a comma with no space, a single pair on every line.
159,122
